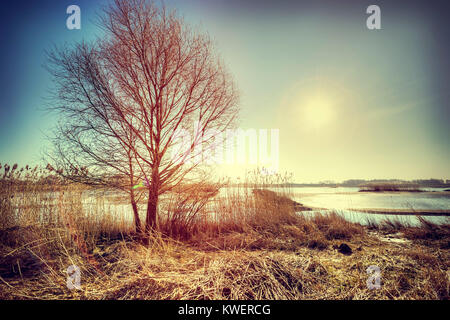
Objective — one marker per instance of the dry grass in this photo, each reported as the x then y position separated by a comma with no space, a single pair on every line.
426,233
172,270
245,245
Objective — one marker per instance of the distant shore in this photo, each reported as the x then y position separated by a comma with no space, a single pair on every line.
403,212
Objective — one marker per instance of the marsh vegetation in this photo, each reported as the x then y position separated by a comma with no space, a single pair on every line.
245,245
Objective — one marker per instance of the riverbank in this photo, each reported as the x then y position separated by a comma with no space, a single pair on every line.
322,258
385,205
394,212
254,246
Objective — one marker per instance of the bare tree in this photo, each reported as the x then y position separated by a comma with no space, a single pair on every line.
124,98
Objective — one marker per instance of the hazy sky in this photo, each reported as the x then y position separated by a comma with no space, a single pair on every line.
349,102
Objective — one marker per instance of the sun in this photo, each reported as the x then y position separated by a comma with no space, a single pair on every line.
317,112
316,105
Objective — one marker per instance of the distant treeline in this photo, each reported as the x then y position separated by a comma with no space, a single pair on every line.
430,183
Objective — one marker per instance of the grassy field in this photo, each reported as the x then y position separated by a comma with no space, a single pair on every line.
245,245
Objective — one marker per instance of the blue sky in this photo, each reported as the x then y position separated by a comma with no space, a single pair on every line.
28,28
386,91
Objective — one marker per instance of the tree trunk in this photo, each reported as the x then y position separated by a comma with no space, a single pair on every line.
152,206
137,220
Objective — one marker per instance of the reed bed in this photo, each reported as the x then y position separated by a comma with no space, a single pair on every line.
244,242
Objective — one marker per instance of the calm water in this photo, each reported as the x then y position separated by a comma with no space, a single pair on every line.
346,201
350,198
349,202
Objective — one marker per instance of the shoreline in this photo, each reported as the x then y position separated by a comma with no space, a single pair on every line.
396,212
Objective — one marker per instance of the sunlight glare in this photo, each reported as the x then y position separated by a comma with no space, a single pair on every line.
317,112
